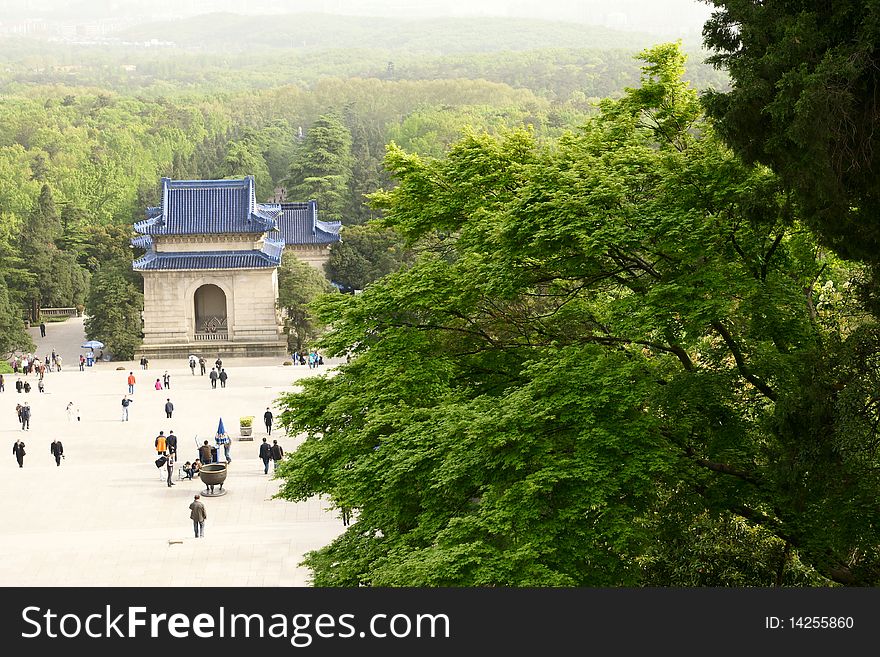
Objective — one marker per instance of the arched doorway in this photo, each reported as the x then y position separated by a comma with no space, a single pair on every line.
210,315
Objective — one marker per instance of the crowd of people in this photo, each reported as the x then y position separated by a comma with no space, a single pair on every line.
28,367
312,358
31,364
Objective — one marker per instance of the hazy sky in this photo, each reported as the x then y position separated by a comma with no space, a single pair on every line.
660,16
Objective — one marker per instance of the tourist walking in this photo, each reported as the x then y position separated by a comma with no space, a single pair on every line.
198,516
277,454
212,376
218,363
166,380
158,384
25,417
131,382
82,363
169,408
202,364
192,364
69,410
18,450
126,402
223,376
43,329
265,455
267,419
57,450
169,465
58,360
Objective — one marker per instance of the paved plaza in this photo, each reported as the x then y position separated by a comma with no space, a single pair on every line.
105,518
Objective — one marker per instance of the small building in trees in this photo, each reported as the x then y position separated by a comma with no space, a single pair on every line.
211,267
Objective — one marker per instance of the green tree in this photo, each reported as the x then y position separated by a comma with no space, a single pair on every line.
114,308
242,159
321,169
299,284
366,254
56,278
13,336
605,340
804,102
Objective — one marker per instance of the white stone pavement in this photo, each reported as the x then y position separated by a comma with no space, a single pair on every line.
104,517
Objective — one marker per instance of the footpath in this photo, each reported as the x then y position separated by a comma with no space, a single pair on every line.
105,518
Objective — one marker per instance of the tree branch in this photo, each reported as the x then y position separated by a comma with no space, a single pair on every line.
769,255
741,362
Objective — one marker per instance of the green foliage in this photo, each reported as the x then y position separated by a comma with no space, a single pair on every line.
13,335
321,169
366,254
242,160
114,307
607,366
804,102
299,284
54,277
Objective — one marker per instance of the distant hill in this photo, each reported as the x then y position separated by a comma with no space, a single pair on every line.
441,36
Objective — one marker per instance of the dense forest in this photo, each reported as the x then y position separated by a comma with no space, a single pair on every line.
86,132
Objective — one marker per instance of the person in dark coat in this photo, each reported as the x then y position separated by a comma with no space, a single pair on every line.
223,376
25,417
266,455
213,377
171,443
169,407
277,453
18,450
42,329
57,450
267,418
205,453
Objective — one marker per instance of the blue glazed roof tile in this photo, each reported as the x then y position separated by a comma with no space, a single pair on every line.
153,261
142,242
205,207
199,207
299,224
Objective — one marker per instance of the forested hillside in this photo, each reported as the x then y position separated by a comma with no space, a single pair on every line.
87,131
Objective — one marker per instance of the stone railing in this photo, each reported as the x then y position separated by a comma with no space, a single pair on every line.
58,312
204,337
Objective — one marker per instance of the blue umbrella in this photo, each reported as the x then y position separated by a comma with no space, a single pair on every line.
221,430
93,344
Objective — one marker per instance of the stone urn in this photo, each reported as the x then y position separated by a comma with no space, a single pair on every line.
213,474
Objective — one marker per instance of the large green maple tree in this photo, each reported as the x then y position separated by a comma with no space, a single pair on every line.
619,359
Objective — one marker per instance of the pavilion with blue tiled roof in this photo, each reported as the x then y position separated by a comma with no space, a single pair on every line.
210,266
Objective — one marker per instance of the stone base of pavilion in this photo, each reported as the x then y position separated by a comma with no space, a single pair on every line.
211,350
